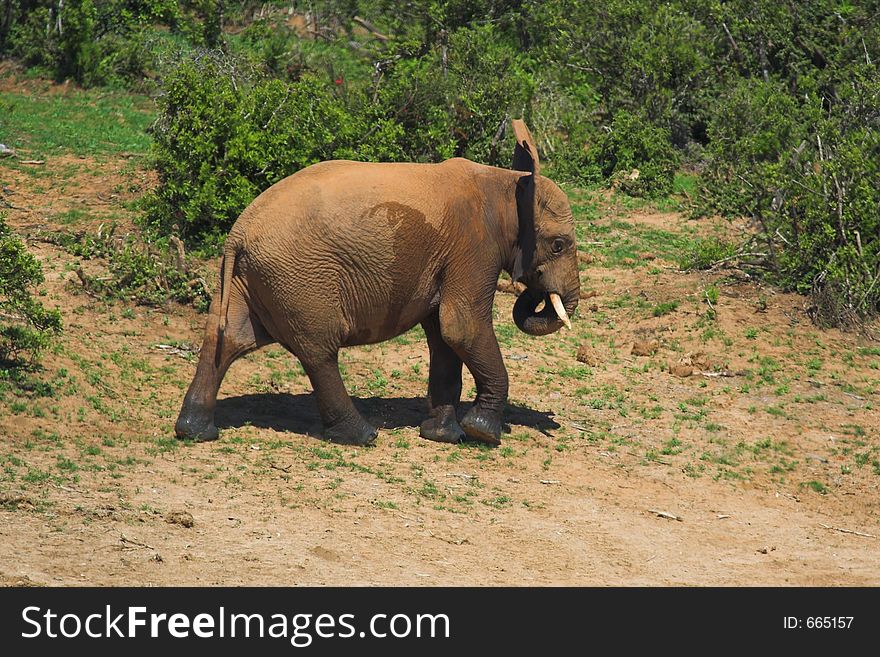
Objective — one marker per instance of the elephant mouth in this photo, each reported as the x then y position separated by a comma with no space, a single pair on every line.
553,315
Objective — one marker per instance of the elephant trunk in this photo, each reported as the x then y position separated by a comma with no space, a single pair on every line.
548,319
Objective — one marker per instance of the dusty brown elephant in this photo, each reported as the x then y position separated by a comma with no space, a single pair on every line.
347,253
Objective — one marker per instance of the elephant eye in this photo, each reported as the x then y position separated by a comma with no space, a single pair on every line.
558,245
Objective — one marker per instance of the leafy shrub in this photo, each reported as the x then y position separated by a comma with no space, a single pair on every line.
26,326
805,170
561,119
635,145
94,42
224,135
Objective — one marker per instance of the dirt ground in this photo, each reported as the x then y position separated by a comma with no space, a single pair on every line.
693,443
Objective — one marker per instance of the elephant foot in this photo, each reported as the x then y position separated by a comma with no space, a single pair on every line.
483,426
195,426
443,427
351,431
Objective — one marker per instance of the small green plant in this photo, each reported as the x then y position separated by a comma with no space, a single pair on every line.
710,297
816,486
665,308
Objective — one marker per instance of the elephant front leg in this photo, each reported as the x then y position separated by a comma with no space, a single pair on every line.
473,339
342,423
444,388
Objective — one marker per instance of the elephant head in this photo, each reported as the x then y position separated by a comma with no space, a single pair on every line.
545,256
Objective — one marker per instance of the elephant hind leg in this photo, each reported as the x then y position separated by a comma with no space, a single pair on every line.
243,333
342,422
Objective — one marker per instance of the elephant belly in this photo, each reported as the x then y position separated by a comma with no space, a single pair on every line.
388,320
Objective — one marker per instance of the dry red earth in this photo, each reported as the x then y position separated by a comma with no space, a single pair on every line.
741,450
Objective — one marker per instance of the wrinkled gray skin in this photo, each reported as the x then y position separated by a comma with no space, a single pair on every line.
347,253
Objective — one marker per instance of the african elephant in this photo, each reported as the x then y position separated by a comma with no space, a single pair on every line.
345,253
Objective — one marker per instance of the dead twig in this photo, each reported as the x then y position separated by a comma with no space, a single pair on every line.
846,531
179,254
666,514
451,541
134,543
549,482
71,490
369,27
737,256
184,352
461,475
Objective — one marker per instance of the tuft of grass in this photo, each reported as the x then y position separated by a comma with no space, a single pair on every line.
816,486
665,308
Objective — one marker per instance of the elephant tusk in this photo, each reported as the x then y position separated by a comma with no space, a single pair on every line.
556,300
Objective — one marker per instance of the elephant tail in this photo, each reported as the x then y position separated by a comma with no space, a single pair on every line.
227,265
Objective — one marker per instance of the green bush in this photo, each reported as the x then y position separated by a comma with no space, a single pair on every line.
224,134
93,42
26,326
805,169
637,153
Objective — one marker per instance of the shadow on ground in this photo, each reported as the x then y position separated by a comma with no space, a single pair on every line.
299,413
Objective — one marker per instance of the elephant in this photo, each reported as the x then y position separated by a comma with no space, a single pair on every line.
346,253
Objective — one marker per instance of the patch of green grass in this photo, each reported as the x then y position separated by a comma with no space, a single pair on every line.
652,413
711,295
702,253
72,217
622,244
91,122
685,184
36,476
378,383
574,372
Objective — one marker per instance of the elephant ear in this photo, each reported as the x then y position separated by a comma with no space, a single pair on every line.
525,158
525,154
